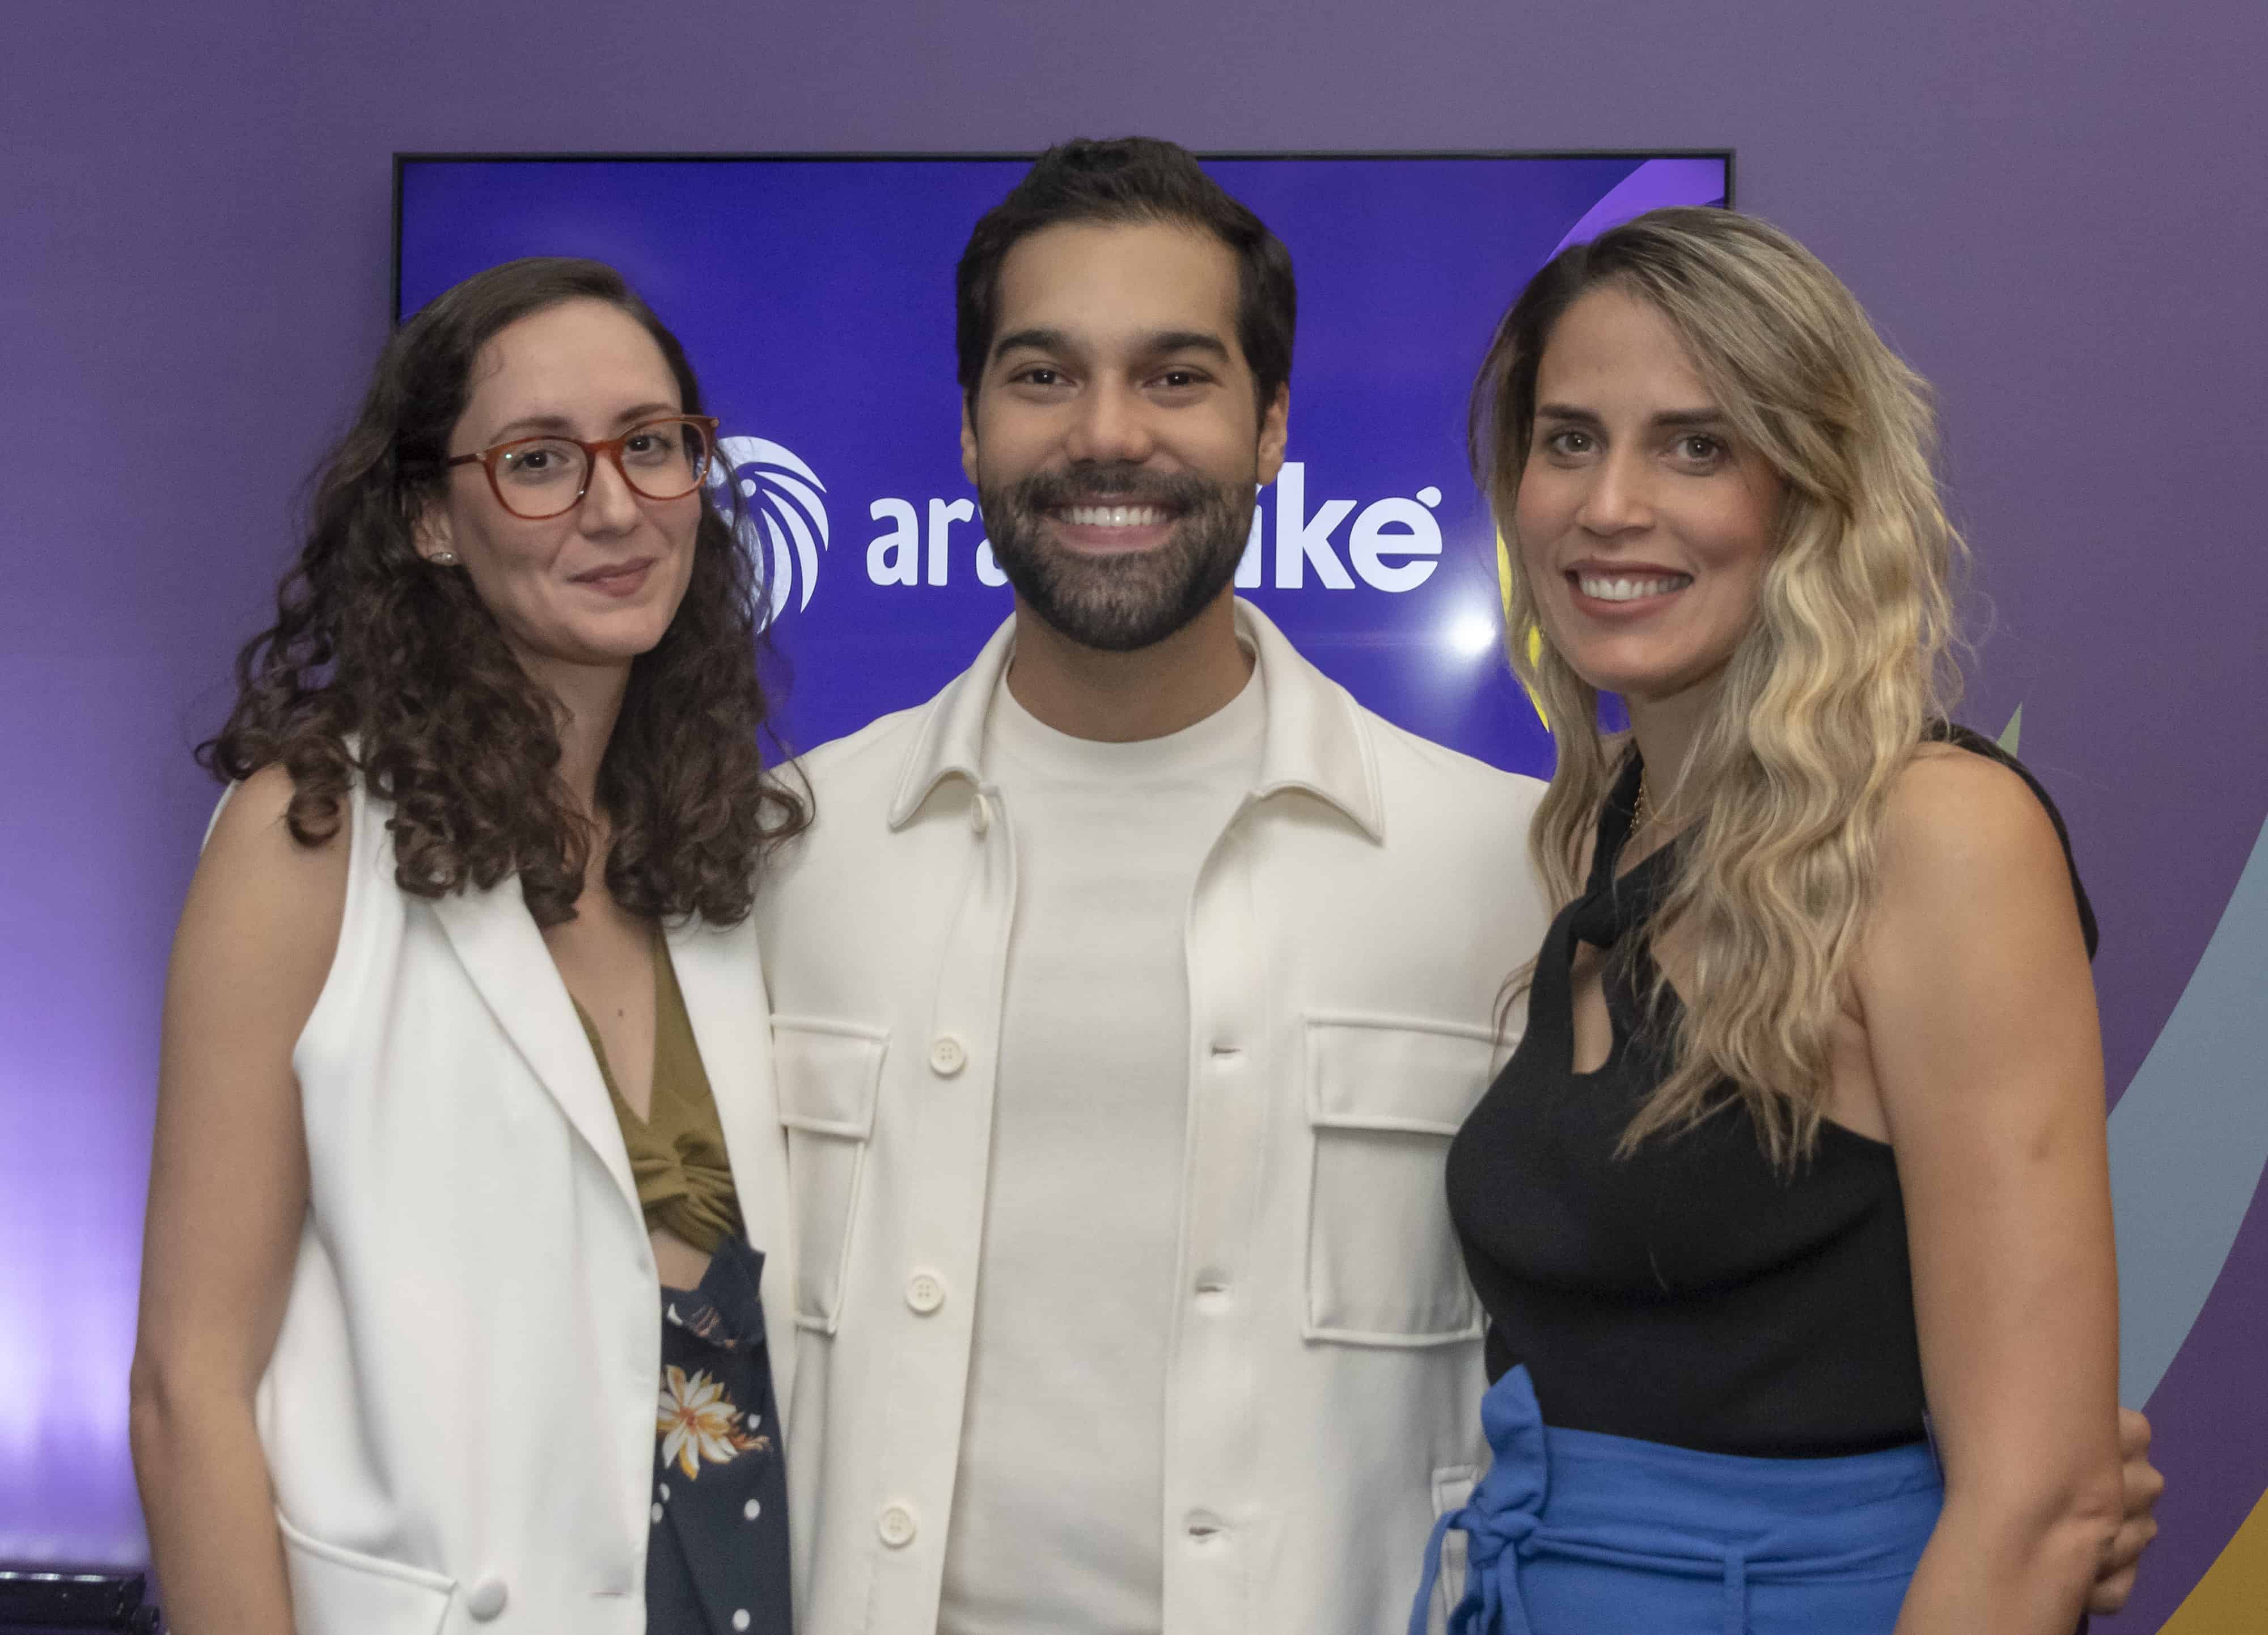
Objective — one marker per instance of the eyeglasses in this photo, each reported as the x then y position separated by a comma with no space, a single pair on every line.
536,478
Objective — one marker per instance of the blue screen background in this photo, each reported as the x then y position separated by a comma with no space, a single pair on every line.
814,297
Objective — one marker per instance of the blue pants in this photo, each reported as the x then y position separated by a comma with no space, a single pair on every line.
1578,1533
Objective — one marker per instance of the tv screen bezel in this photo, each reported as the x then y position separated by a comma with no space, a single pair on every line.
403,159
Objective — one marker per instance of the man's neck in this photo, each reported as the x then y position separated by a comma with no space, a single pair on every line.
1123,698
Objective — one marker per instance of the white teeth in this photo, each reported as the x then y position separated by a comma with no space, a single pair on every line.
1631,590
1115,516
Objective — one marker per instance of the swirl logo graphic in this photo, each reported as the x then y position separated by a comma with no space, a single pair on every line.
784,522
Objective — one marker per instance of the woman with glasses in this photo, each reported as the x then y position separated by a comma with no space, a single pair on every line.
1790,1212
468,1203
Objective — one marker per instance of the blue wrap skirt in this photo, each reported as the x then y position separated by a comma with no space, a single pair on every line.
1579,1532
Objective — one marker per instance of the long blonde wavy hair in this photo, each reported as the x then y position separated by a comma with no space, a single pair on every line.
1826,697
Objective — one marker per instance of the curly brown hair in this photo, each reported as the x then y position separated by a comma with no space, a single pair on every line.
380,666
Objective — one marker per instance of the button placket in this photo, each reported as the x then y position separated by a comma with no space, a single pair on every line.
943,1209
1212,1445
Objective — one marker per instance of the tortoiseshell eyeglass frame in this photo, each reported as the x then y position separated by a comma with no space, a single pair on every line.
610,448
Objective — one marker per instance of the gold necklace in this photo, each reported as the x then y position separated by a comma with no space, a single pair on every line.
1642,809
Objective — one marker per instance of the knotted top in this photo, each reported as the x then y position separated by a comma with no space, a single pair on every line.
677,1151
1687,1291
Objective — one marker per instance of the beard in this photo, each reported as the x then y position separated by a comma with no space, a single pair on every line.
1119,604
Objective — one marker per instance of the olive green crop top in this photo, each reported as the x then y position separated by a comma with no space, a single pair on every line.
677,1152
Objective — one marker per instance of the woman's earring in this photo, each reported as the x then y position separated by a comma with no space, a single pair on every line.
443,559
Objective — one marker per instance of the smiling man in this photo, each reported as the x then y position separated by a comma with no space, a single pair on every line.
1126,995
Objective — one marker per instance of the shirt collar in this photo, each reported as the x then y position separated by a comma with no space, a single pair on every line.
1315,738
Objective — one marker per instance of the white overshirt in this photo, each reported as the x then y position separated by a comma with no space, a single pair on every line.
1348,936
1089,1120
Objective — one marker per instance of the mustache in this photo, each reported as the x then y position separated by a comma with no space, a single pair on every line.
1115,485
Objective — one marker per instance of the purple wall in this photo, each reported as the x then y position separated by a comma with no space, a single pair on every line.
2051,213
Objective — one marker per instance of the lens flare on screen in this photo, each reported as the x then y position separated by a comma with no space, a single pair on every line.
1470,633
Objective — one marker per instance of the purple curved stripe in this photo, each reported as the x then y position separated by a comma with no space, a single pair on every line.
1650,187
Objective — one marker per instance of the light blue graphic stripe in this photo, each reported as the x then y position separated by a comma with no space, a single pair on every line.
2190,1137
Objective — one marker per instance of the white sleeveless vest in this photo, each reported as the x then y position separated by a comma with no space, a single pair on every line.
459,1415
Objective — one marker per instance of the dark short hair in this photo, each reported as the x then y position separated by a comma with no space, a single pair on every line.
1132,179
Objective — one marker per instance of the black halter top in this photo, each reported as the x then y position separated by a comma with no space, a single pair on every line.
1688,1294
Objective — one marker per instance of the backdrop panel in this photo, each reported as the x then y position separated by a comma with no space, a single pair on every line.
2031,201
815,300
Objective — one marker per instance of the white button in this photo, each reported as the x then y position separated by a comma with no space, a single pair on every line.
656,1514
740,1618
924,1291
897,1526
752,1510
947,1056
663,1491
487,1599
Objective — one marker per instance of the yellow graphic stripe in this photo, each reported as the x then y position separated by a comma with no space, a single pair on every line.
1534,636
2232,1598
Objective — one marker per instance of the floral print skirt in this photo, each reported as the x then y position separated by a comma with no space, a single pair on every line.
717,1561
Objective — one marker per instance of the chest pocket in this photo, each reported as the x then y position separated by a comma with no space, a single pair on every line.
1385,1096
829,1075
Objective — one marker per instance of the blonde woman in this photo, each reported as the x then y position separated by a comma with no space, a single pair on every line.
1791,1211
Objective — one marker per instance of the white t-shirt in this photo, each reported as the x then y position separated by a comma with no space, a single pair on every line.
1058,1511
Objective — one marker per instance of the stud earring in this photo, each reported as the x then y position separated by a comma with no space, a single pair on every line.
443,559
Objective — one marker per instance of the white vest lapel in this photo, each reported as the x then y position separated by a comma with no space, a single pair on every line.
503,951
723,983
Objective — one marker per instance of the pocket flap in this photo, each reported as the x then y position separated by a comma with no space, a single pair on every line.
828,1074
345,1592
1391,1072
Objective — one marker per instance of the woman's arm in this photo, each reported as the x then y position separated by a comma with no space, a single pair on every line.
1980,1018
228,1190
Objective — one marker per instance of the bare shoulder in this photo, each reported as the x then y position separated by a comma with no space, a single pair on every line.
1949,809
252,816
261,898
1965,840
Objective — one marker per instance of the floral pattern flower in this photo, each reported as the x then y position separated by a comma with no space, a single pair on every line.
696,1420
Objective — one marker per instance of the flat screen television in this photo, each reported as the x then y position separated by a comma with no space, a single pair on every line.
814,296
